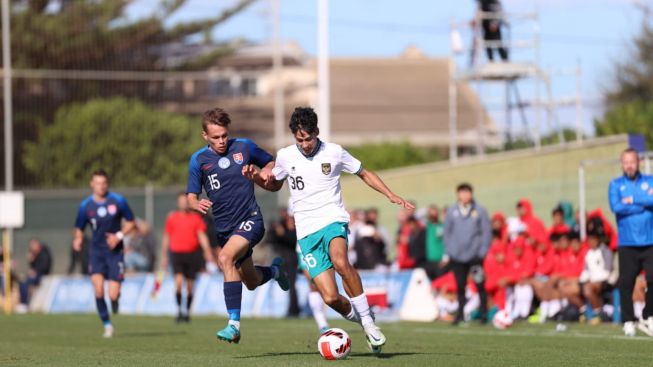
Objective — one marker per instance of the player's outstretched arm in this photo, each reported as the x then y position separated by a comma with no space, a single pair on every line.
196,204
263,178
374,181
78,238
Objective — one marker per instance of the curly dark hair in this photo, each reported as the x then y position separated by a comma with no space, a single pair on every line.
216,116
100,172
303,118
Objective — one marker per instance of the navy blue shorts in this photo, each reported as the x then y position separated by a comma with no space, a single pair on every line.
111,265
252,229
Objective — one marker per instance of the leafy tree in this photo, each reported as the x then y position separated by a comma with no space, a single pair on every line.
133,142
634,117
98,35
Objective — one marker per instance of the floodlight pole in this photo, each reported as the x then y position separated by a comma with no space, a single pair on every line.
277,66
324,103
9,149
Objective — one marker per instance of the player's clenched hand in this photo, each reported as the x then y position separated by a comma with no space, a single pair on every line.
400,201
250,171
77,244
112,240
204,205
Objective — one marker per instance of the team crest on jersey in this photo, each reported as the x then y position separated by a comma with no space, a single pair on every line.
113,209
326,168
644,186
238,158
224,163
101,212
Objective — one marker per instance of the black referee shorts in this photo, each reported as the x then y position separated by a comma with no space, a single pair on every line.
187,263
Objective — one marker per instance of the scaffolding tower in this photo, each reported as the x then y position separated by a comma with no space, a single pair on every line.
478,70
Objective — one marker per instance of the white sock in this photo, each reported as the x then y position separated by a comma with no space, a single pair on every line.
352,316
639,309
317,306
544,310
235,323
554,307
362,308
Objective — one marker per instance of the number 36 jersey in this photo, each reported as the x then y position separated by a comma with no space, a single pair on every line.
314,183
220,175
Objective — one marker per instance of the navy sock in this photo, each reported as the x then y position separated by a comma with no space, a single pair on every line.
114,306
178,298
102,310
189,302
266,272
233,293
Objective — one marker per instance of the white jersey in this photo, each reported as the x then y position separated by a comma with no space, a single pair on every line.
314,184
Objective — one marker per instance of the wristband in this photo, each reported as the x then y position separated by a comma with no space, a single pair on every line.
120,235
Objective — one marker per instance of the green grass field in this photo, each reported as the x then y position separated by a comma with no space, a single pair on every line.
72,340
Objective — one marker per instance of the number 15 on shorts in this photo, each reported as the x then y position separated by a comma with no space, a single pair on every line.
246,225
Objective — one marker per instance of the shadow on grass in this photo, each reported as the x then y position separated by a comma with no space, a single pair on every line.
379,356
138,334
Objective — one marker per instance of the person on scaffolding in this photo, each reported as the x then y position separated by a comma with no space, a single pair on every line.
491,24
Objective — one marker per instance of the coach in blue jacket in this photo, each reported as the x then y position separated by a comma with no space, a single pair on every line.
631,200
467,238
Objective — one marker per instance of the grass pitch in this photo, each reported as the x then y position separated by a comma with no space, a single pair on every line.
75,340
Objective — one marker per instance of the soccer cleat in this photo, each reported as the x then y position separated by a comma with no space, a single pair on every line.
645,326
375,350
229,334
629,328
374,336
108,331
282,278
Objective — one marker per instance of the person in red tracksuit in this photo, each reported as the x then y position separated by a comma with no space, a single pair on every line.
497,272
521,263
534,226
570,268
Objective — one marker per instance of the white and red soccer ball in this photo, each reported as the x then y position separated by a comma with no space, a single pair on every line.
502,320
334,344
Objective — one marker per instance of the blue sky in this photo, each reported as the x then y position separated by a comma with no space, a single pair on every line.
592,32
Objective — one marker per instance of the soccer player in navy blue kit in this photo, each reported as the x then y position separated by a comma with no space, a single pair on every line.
224,170
105,211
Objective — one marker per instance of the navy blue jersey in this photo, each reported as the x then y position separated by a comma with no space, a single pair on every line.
104,217
220,175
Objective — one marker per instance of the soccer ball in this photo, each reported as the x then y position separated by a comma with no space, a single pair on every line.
334,344
502,320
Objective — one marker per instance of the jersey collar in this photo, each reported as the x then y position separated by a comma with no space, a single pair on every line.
314,152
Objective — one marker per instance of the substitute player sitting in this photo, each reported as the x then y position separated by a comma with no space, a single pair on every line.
219,169
105,211
312,168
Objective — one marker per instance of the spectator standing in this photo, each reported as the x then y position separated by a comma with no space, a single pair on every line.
467,238
40,263
631,200
492,28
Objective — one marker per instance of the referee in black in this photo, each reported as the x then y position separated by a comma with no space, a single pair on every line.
631,200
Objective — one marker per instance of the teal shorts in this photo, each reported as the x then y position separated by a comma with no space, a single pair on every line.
315,247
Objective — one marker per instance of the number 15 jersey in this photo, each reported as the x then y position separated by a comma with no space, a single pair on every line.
314,183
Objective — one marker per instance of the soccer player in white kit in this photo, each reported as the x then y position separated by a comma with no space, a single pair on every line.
312,168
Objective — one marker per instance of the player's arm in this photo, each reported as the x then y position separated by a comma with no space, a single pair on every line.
619,205
128,225
78,232
165,245
196,204
206,246
374,181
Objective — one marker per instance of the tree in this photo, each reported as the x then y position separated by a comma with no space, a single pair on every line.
633,118
133,142
378,156
98,35
630,100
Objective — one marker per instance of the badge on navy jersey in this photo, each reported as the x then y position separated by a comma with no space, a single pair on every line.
224,163
101,212
238,158
326,168
112,209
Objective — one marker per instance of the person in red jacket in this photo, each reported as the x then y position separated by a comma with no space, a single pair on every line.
497,274
521,263
406,229
609,233
558,225
534,226
447,297
569,268
499,227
